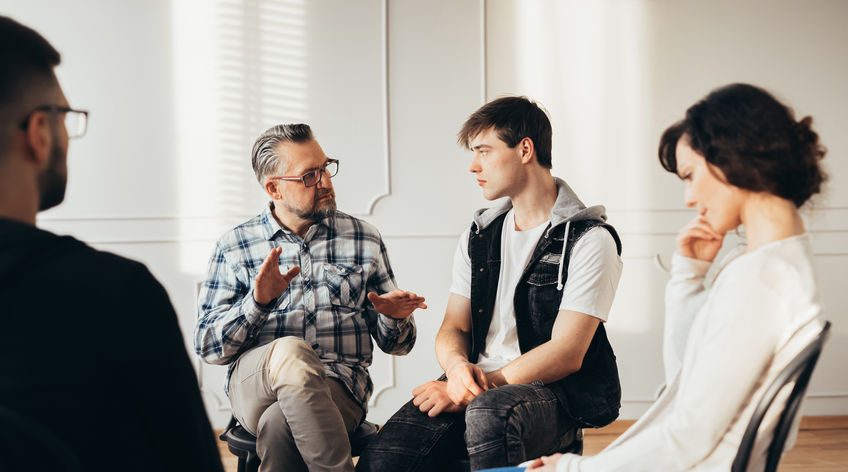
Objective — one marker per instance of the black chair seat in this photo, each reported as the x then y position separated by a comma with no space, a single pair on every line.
239,438
243,444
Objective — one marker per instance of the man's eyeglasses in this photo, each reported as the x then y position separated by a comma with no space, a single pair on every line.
76,121
311,178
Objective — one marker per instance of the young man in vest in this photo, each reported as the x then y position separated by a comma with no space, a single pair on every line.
526,357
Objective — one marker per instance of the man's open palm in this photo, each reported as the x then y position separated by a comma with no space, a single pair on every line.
397,303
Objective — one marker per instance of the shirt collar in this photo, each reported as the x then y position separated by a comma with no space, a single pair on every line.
271,227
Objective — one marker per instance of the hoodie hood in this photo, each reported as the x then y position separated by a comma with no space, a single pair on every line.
567,208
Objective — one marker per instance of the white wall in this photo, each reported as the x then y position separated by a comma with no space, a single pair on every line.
179,89
614,74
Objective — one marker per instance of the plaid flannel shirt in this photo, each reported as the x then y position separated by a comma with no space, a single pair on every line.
341,258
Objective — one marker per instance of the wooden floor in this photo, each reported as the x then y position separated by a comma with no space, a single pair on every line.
822,445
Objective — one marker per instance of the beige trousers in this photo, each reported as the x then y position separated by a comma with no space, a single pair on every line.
301,418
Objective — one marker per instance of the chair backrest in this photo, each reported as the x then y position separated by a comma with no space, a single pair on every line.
27,445
799,370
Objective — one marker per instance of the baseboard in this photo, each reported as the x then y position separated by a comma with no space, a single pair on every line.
824,422
810,423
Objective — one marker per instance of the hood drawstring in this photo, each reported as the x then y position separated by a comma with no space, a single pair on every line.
562,256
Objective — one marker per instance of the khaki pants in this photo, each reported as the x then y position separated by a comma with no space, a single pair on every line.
300,417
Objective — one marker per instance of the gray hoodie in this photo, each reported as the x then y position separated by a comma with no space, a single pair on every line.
567,209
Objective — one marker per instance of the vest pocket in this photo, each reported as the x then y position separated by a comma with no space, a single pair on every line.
543,298
542,279
344,283
545,272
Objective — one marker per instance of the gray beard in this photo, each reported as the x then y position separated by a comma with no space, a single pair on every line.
51,182
318,212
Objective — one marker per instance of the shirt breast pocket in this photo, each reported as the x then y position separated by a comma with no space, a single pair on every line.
345,284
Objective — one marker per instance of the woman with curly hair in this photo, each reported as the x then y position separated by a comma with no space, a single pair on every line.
746,162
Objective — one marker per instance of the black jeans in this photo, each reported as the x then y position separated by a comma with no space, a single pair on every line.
503,426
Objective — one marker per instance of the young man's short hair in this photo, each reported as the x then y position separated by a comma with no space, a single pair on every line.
513,119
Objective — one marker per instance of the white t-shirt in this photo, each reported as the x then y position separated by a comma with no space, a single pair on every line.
593,274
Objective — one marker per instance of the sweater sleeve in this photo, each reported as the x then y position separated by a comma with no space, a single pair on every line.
684,296
735,346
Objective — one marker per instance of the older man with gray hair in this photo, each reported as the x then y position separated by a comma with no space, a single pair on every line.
291,301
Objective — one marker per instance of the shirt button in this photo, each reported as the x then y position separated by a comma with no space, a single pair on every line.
479,310
482,269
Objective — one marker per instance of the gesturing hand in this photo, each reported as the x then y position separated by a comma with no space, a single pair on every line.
397,303
465,381
432,398
698,240
270,283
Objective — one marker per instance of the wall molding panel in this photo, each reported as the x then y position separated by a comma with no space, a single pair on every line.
386,84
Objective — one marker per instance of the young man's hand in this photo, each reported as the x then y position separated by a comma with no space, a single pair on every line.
397,304
270,283
432,398
465,381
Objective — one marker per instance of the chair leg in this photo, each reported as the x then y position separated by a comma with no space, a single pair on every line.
578,447
578,443
252,463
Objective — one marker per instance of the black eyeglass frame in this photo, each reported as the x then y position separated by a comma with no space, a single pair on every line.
57,109
319,171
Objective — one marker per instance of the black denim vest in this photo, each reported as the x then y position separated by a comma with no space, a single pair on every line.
592,395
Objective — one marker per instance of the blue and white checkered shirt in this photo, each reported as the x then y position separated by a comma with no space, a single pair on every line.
341,258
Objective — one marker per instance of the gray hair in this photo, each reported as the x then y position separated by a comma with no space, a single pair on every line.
264,156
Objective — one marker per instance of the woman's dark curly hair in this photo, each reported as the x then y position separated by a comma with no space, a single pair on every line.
755,141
